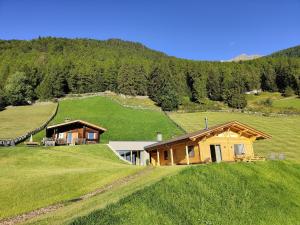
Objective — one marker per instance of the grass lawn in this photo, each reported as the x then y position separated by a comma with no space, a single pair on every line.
18,120
293,102
70,212
280,104
123,123
31,178
136,102
285,130
227,194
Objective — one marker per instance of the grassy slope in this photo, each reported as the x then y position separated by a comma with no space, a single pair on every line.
123,123
284,130
280,103
66,214
292,102
32,178
254,193
18,120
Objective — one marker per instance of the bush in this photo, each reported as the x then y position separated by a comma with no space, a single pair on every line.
237,101
288,92
2,100
18,90
267,102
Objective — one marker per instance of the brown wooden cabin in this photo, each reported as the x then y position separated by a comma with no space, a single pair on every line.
74,132
232,141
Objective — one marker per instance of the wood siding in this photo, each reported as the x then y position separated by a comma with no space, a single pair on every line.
202,154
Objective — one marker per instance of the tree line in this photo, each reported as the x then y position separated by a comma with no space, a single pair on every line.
47,68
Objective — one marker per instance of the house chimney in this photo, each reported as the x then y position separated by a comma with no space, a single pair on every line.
159,136
206,123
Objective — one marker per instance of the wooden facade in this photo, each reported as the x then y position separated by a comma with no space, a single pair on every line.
231,141
74,133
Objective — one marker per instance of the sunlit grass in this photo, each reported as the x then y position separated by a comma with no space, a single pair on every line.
18,120
285,130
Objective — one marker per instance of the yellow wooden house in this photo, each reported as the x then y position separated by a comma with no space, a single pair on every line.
231,141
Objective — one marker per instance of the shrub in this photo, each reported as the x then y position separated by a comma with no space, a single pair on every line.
288,92
237,101
267,102
18,90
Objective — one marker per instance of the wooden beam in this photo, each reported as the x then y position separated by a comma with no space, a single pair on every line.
131,157
187,155
158,160
171,155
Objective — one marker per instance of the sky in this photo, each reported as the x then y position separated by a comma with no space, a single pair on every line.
191,29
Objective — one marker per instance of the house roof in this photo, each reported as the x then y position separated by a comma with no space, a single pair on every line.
232,125
77,121
129,145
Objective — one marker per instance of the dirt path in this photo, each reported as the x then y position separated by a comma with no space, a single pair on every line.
41,211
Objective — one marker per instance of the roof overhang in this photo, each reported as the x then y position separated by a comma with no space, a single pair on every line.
235,126
77,121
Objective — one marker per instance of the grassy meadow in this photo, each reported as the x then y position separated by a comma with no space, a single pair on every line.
72,211
285,130
227,194
122,123
31,178
280,104
18,120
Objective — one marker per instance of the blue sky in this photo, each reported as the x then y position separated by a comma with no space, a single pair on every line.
193,29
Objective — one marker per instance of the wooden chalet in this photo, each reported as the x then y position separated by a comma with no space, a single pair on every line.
232,141
74,132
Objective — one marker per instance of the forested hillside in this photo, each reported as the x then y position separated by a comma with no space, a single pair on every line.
290,52
45,68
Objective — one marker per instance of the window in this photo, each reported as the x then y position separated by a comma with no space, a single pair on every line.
191,151
166,155
69,138
61,135
239,149
91,135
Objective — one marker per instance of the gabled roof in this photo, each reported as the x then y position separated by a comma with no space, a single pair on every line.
232,125
129,145
76,121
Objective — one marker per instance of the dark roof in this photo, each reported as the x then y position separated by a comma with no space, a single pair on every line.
77,121
201,133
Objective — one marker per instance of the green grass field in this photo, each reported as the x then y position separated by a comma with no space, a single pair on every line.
18,120
285,130
227,194
293,102
123,123
72,211
280,104
31,178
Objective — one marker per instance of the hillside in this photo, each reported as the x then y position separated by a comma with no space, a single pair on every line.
244,57
122,123
289,52
233,194
18,120
47,68
33,178
284,130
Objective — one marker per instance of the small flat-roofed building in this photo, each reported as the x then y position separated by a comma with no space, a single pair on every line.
132,151
74,132
231,141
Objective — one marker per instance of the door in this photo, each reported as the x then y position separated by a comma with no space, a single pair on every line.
69,138
216,153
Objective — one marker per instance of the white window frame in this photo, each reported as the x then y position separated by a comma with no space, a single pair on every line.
94,135
243,152
61,135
